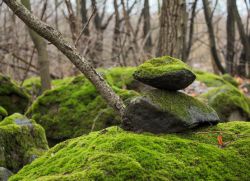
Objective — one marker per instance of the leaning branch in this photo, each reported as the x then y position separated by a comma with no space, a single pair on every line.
56,38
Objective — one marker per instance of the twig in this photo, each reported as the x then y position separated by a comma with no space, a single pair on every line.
85,26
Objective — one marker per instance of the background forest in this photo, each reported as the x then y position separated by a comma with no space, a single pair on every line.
208,35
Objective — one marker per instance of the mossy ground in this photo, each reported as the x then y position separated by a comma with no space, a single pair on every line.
159,66
76,108
114,154
12,98
213,80
21,140
226,99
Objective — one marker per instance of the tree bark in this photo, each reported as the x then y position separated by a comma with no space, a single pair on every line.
230,37
41,48
172,29
84,15
244,41
80,62
146,27
212,42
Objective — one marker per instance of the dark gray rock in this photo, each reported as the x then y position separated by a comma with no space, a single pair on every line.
165,73
4,174
160,111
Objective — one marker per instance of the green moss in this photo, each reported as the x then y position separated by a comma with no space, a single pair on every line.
177,102
230,79
227,99
159,66
74,109
121,77
33,85
114,154
3,113
12,98
213,80
21,141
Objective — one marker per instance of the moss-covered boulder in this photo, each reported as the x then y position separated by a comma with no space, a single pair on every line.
227,100
114,154
160,111
12,98
3,113
21,141
74,109
213,80
165,73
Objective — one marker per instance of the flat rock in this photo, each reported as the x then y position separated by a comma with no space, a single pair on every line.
160,111
165,73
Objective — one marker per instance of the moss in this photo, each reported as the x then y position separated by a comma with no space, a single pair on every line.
114,154
227,99
74,109
3,113
178,103
21,141
230,79
213,80
121,77
160,66
33,85
12,98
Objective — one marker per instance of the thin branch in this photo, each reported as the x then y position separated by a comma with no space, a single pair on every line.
85,26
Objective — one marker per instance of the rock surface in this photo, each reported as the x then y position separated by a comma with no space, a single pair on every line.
160,111
165,73
21,141
114,154
12,98
4,174
227,100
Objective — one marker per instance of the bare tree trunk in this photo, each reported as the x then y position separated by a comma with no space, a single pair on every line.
84,14
41,48
213,48
244,40
147,27
230,37
191,29
116,33
171,29
80,62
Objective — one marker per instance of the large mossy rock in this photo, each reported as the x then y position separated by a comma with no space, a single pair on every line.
21,141
74,109
12,98
165,73
228,100
114,154
213,80
3,113
160,111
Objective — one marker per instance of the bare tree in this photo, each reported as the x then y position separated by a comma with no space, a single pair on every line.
146,27
172,29
41,48
213,48
230,37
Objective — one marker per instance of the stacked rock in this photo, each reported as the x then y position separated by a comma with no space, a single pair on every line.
164,109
